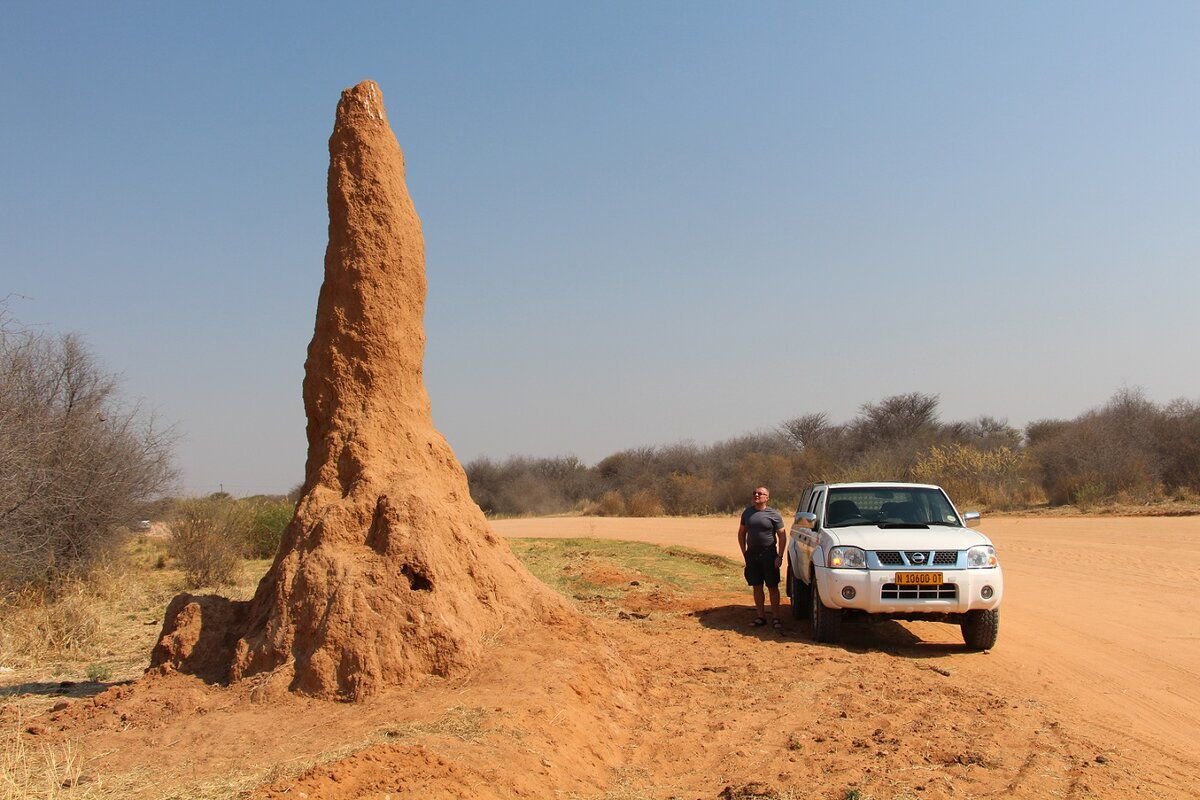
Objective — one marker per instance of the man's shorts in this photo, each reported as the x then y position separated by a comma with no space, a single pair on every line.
760,567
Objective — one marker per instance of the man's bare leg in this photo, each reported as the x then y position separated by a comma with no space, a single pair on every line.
774,602
759,600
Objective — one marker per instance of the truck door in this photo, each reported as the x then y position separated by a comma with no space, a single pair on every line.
807,539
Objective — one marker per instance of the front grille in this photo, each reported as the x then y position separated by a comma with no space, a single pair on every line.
894,558
917,558
893,591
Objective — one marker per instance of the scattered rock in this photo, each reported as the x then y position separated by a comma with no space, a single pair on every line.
36,730
749,791
1101,759
61,705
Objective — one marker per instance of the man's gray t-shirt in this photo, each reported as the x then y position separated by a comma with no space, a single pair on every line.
761,527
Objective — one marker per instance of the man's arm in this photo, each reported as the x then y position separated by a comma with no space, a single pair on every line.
781,541
742,539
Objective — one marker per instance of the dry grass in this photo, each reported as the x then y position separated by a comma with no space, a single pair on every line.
40,771
100,628
460,722
90,625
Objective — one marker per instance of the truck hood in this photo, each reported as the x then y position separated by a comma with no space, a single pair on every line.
870,537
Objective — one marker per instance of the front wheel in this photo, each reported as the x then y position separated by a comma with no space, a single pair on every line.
826,621
798,592
980,629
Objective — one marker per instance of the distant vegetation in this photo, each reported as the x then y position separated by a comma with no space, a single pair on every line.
1129,451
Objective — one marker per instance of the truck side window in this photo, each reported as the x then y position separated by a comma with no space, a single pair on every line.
815,504
804,498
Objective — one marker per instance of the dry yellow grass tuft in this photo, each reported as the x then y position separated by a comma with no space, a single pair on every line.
50,771
100,627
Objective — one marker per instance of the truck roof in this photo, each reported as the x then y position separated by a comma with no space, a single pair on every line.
877,485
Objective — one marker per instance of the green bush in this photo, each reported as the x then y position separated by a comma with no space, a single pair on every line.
99,673
269,518
208,539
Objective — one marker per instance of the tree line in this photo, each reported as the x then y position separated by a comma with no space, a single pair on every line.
79,465
1129,450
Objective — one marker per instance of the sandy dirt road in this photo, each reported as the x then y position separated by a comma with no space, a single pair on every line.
1101,617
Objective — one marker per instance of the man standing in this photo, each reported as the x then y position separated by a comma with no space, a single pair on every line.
762,540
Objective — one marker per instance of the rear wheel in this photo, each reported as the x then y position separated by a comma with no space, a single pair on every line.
826,621
980,629
799,595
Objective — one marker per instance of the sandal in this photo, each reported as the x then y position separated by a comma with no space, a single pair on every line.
758,622
777,624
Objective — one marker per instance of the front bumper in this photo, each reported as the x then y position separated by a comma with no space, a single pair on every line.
875,591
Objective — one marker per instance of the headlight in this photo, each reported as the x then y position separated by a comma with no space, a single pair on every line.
983,555
847,558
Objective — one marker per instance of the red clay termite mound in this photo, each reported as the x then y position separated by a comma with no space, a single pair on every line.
388,572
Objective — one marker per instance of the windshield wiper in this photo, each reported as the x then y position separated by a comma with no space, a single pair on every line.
904,525
946,524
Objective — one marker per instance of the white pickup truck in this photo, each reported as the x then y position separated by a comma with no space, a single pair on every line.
894,551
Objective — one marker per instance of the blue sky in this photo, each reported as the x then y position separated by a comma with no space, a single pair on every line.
644,222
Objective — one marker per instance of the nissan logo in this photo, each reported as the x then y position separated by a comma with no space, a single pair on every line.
918,558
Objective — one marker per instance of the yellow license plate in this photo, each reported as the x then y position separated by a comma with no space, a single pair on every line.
919,578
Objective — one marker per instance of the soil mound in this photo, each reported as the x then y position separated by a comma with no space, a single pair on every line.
388,572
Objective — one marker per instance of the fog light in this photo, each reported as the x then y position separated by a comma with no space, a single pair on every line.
848,592
986,592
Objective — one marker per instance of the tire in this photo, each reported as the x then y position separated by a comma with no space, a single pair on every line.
800,598
826,621
980,629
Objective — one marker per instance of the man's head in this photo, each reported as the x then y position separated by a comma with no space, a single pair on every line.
761,495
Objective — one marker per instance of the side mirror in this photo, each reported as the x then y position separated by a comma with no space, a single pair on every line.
971,518
806,519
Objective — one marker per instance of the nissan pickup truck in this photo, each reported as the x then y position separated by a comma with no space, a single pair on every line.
891,551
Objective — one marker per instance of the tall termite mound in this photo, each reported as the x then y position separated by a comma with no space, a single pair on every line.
388,572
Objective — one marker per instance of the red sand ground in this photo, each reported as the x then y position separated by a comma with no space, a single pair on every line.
1092,691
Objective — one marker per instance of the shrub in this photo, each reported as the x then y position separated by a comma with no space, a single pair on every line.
645,503
1177,439
688,494
524,485
98,673
612,504
269,518
75,462
208,537
1110,452
998,478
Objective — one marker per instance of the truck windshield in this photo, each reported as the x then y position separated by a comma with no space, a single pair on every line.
903,506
